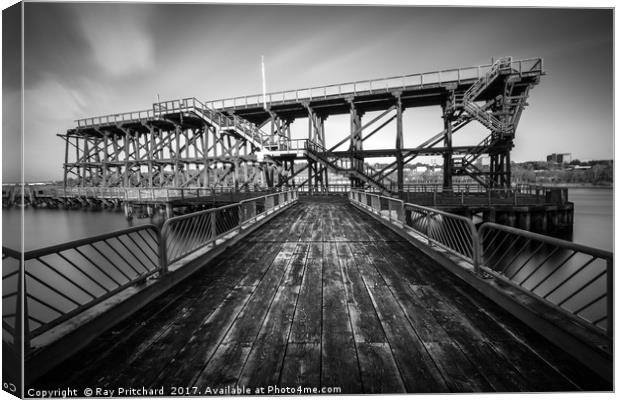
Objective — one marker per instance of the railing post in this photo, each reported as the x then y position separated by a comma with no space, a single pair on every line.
268,203
610,298
163,254
477,248
213,226
400,212
428,225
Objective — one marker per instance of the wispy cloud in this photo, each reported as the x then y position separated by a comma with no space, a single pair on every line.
119,39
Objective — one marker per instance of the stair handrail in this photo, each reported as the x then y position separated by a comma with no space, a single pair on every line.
484,81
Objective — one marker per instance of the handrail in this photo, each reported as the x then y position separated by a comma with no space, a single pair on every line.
454,233
458,75
188,233
575,278
62,281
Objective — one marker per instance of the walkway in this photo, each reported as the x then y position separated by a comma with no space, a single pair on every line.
323,296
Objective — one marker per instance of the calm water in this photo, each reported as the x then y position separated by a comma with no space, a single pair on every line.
46,227
594,219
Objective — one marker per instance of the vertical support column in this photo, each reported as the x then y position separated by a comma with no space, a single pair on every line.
507,175
66,167
447,156
399,145
177,150
77,160
126,163
357,162
85,160
104,167
151,155
205,155
274,126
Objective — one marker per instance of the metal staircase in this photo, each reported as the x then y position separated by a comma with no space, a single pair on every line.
315,152
487,79
225,124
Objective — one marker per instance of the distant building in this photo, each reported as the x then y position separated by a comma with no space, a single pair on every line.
559,158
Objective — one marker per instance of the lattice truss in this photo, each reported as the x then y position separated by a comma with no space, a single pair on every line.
176,148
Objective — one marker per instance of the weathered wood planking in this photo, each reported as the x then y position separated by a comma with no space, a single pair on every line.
340,366
323,295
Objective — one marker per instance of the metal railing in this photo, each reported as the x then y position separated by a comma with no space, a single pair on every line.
575,278
116,118
186,234
338,188
62,281
11,297
382,85
454,233
140,194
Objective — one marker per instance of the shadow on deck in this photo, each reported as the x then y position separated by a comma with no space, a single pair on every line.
323,296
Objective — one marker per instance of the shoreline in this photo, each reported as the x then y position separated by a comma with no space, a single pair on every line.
578,186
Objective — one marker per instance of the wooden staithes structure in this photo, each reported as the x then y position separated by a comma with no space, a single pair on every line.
246,143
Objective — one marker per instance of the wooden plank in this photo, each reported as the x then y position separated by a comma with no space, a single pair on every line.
307,319
302,365
365,322
469,318
418,369
317,226
224,368
259,268
295,273
524,355
246,327
378,368
500,374
356,230
393,267
461,375
187,363
264,363
376,231
339,363
110,349
162,360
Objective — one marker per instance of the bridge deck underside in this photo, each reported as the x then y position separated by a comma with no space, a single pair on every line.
323,296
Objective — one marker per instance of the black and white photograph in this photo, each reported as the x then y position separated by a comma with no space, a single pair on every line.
306,199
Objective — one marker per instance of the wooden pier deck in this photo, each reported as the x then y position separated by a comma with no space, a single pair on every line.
323,296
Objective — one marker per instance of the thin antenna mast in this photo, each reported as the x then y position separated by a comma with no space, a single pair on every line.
262,62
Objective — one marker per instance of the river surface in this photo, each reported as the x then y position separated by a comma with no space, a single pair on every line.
594,217
45,227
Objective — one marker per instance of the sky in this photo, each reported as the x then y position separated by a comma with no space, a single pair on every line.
92,59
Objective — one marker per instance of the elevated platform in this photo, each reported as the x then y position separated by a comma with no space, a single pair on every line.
416,90
323,296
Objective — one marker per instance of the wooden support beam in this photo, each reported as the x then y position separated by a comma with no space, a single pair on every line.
447,157
399,145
